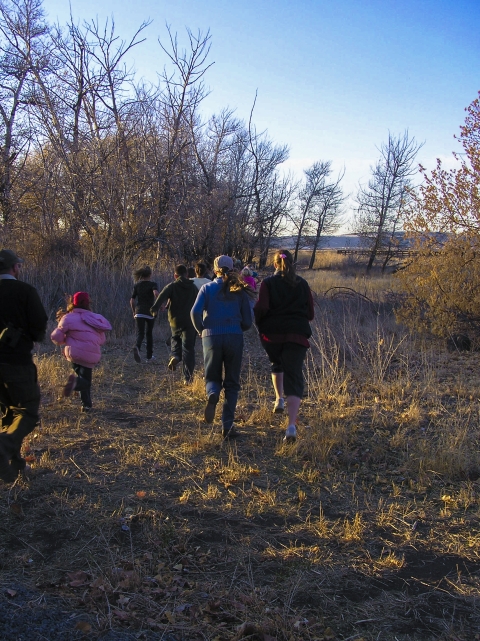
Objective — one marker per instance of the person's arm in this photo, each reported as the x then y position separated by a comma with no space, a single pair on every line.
311,308
59,334
163,297
196,313
36,317
263,303
132,299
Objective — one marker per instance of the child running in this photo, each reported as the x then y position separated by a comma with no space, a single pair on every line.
82,333
144,293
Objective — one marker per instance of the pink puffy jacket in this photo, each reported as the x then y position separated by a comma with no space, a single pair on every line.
82,332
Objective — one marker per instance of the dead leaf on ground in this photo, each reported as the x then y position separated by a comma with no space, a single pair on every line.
84,627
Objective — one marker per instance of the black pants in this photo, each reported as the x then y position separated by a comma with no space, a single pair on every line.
287,358
145,326
84,383
20,401
182,346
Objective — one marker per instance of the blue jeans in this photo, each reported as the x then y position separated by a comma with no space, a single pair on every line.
182,345
224,352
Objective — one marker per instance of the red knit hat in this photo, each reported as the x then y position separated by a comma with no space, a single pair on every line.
80,299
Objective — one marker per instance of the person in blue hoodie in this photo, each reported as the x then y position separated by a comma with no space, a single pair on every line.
221,314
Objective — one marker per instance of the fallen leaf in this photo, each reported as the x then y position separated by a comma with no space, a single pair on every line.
121,614
16,509
10,593
84,627
141,494
77,578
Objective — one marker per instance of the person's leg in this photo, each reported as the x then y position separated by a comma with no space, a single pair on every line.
175,350
140,322
293,356
277,380
83,383
232,360
213,360
21,391
189,336
274,353
149,323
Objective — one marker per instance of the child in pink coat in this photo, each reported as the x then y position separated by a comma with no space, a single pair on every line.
82,333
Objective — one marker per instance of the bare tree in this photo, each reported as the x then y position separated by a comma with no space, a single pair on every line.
265,159
309,197
22,33
325,218
382,204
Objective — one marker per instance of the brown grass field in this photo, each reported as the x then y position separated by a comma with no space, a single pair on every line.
142,523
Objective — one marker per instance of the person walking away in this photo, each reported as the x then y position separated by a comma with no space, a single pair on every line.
221,314
247,277
282,314
145,291
23,321
180,294
82,333
201,277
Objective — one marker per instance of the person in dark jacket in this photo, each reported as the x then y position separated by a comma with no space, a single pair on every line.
282,314
145,291
180,295
23,320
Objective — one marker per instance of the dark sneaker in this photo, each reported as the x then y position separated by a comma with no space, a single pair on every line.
279,406
231,433
136,354
150,360
172,363
86,408
70,386
210,408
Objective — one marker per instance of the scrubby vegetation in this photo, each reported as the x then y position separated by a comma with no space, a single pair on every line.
144,523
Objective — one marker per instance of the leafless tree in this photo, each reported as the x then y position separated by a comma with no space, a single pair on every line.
309,197
326,215
382,203
22,33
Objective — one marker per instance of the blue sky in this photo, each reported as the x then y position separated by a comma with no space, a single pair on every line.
332,76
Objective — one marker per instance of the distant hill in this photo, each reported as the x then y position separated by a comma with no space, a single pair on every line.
328,242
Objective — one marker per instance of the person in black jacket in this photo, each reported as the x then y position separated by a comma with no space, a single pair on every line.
144,293
282,314
181,294
23,320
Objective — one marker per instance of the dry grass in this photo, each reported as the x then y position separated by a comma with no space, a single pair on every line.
140,517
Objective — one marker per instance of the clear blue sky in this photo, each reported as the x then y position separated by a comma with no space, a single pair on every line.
333,76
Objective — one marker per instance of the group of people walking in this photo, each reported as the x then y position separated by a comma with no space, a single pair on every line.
218,310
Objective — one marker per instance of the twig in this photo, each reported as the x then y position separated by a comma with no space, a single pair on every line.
28,545
83,547
79,468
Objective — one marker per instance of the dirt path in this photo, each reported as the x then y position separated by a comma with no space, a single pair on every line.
138,522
